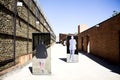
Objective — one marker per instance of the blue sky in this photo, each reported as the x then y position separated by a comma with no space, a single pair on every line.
65,15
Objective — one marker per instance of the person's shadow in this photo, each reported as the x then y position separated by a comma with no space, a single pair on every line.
63,59
30,68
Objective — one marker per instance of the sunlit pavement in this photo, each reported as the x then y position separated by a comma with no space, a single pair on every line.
85,69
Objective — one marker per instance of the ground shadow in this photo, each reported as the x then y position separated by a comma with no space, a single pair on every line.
30,68
3,63
113,67
63,59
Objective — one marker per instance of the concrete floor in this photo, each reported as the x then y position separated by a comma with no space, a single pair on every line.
86,69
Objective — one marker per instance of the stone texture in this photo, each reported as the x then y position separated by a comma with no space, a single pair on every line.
6,48
21,48
23,30
26,1
22,12
32,20
30,47
6,24
9,4
32,7
31,30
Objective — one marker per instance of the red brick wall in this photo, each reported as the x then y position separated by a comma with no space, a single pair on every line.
79,42
104,40
62,37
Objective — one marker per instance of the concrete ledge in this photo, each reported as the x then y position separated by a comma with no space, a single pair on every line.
22,61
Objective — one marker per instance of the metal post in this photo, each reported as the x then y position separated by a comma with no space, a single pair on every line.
28,29
14,19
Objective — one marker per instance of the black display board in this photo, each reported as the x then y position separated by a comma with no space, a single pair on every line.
45,37
41,63
76,50
68,38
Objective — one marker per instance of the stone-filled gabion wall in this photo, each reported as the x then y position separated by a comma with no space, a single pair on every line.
6,24
18,42
8,4
6,48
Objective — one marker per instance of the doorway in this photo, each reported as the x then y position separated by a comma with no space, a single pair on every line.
88,44
119,47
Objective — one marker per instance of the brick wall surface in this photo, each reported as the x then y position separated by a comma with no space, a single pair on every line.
104,40
62,37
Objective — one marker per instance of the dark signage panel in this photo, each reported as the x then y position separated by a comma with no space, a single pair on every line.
72,49
41,53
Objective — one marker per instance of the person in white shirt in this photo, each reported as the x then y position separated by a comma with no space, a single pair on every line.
72,48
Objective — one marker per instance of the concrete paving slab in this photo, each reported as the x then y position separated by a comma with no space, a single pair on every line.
85,69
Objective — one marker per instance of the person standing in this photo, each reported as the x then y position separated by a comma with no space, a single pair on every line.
72,48
41,54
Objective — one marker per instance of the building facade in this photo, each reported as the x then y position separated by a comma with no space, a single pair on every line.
62,37
102,40
18,20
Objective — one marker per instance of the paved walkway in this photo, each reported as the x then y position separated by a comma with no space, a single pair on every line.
86,69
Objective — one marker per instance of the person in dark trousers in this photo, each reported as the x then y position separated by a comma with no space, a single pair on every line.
41,55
